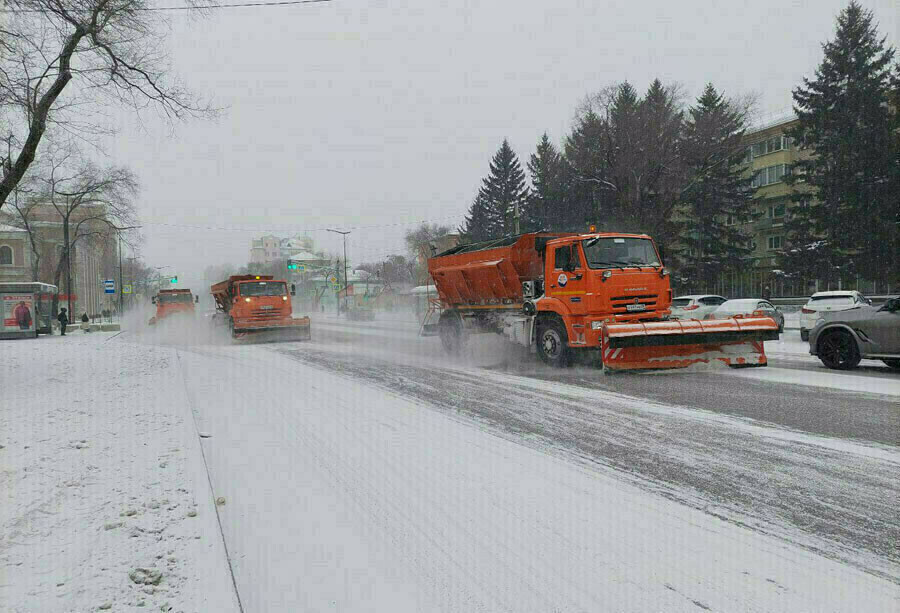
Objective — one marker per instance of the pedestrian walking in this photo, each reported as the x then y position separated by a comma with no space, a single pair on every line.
63,319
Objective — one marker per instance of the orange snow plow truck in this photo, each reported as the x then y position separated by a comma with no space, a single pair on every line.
601,295
171,301
257,306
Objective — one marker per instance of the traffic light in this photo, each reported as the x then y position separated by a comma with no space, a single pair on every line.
291,266
173,280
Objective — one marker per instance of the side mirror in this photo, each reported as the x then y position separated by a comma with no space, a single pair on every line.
196,299
293,289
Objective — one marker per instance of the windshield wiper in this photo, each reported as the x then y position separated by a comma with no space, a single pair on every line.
607,265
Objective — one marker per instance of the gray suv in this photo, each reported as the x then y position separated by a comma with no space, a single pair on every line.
842,338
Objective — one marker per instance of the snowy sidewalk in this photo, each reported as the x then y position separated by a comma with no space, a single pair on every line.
105,501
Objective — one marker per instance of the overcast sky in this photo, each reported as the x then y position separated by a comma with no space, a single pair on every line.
364,113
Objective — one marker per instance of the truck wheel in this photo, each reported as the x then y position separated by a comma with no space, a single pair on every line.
837,349
893,363
552,341
450,329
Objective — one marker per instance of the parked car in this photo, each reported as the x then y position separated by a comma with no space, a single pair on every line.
748,307
842,338
840,300
695,306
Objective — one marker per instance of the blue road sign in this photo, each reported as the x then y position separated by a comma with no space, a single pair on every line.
109,286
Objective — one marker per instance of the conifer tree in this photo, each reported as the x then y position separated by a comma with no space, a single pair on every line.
718,197
501,199
547,199
847,192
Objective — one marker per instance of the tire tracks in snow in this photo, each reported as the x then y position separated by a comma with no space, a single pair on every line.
835,503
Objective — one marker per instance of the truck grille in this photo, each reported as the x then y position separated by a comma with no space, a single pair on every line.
620,303
265,314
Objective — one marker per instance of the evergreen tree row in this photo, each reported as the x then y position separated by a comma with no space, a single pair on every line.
646,163
634,164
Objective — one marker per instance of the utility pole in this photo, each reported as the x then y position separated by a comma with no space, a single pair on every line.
346,279
131,260
68,261
121,305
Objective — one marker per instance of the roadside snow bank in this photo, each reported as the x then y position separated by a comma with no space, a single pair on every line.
105,498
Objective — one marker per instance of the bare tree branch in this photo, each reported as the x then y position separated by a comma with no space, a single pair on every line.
112,49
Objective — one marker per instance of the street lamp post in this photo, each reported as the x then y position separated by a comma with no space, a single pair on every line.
159,276
346,279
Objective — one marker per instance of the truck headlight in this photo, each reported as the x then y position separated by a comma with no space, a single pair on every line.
246,300
596,325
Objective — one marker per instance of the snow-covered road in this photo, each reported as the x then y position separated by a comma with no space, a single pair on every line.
365,471
355,494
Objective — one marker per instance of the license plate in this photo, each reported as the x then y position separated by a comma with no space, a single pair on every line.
267,308
635,307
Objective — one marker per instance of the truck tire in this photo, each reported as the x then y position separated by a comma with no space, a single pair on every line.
837,349
552,343
450,329
892,363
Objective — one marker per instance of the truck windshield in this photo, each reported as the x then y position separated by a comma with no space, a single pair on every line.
263,288
620,252
175,298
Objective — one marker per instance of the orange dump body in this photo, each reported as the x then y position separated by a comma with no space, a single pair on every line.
491,275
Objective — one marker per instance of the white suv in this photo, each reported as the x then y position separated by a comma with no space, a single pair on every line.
827,301
695,306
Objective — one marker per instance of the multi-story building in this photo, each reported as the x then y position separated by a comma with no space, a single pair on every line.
92,254
15,255
265,250
770,154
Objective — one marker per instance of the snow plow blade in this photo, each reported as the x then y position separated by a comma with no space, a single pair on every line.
296,330
680,343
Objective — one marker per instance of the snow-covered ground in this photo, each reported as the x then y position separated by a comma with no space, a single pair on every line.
354,482
350,496
104,499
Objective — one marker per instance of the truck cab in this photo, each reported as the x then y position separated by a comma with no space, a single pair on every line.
171,301
595,278
260,300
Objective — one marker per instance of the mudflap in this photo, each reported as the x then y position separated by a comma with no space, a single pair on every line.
737,342
429,330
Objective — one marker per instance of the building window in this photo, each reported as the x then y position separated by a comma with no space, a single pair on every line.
776,211
770,175
730,220
771,145
5,256
774,243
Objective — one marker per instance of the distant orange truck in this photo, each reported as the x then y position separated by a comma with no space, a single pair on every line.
258,306
171,301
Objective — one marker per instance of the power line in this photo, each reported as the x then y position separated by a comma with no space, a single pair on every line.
196,8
